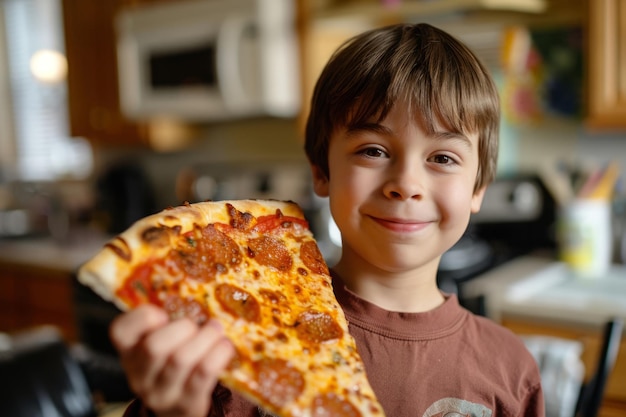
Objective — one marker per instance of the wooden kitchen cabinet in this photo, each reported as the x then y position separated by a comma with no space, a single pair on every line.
318,44
31,297
606,64
93,99
614,403
324,24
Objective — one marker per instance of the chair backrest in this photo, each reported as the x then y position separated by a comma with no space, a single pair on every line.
39,378
476,304
592,392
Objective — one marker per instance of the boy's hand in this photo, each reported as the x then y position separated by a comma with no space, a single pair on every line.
173,366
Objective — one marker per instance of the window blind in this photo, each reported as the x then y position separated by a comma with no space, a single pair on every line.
44,149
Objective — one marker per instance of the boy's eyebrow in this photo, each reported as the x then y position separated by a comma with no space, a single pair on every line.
452,136
437,135
372,127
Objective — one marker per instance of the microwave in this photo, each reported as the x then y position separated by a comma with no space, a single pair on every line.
208,60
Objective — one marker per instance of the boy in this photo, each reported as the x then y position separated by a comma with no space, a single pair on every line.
402,138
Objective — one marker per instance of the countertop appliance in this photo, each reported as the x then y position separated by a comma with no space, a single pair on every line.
208,60
518,216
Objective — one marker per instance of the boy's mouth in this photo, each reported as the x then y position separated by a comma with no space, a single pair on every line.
401,225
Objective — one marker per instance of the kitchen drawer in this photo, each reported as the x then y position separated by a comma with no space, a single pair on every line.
32,296
8,318
48,294
8,288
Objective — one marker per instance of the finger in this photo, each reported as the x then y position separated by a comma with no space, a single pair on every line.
145,361
197,393
128,328
204,377
221,354
205,345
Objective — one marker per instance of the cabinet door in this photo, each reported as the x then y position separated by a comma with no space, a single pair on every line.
31,297
9,307
93,98
607,64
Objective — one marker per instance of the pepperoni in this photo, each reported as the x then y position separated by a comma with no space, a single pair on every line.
223,248
178,307
238,302
317,327
158,237
279,382
205,256
266,224
331,405
270,251
312,257
190,262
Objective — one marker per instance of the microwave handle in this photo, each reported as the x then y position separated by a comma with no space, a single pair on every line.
229,75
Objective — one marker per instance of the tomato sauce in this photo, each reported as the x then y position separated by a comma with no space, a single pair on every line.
138,289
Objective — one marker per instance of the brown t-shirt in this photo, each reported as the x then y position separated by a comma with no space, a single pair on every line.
444,362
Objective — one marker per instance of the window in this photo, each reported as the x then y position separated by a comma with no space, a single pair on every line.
37,146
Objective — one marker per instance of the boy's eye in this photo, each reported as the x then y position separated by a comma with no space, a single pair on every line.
442,159
373,152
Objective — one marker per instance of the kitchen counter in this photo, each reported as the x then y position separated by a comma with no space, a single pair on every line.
37,280
49,254
541,288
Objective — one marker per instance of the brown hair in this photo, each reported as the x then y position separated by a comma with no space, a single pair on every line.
437,75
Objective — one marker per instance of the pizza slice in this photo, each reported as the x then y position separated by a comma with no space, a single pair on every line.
255,266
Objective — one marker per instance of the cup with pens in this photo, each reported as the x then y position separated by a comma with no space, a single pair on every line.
585,226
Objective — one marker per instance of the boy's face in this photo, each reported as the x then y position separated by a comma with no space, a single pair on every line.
400,196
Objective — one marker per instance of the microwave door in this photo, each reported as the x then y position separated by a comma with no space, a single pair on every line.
210,77
193,67
239,74
182,81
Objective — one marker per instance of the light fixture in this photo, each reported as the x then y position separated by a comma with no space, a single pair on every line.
48,66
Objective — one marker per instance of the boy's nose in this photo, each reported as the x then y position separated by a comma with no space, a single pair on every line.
404,184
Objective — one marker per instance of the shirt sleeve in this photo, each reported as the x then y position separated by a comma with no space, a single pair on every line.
535,404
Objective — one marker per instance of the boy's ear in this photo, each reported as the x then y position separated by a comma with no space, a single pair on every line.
320,181
477,199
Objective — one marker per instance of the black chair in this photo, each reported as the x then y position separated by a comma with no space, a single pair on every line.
592,391
40,378
475,304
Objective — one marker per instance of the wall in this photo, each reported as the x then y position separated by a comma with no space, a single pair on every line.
242,144
552,144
